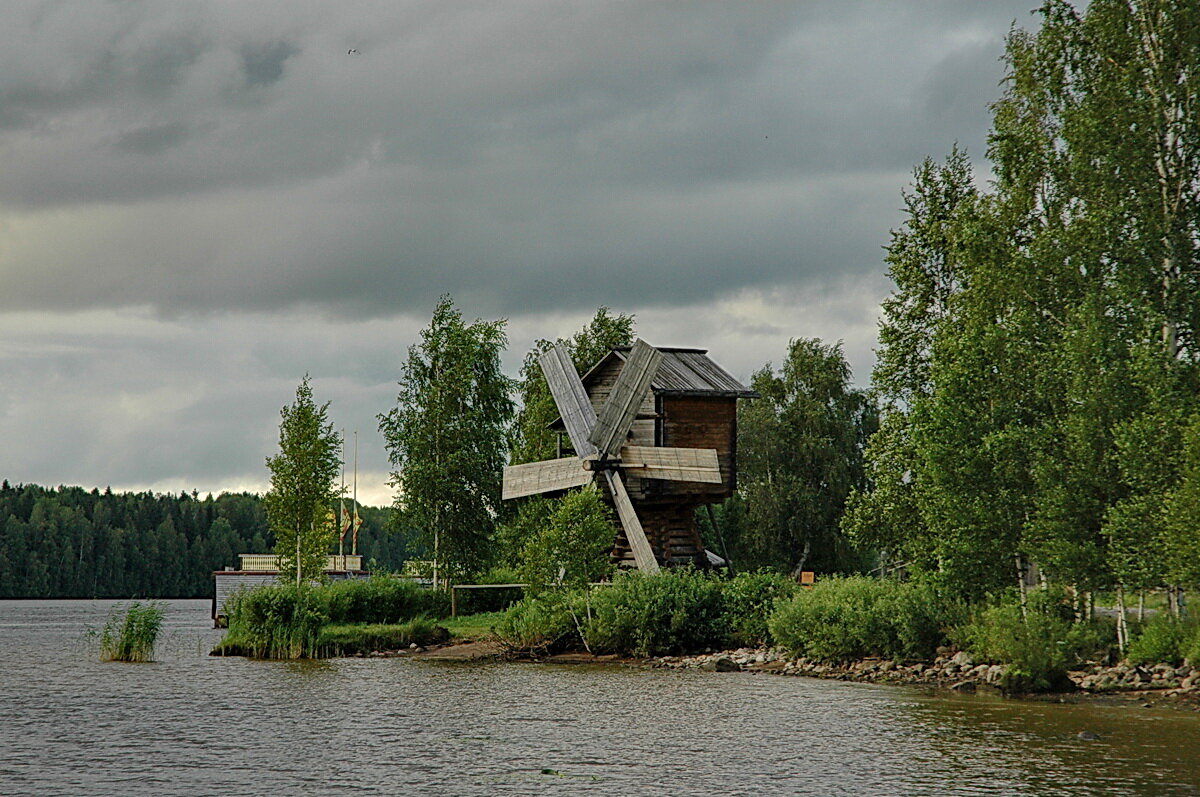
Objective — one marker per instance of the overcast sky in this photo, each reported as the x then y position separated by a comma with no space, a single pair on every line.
200,202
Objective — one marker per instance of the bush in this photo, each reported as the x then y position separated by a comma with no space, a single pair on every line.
130,635
846,618
1163,639
572,545
541,624
275,622
381,600
345,640
1039,647
749,601
674,612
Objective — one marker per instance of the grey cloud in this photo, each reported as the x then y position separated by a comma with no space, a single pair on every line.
152,139
263,63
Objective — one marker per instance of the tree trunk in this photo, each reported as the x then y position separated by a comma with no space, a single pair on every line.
1122,623
1024,590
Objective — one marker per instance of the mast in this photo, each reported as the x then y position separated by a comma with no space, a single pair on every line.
342,505
356,520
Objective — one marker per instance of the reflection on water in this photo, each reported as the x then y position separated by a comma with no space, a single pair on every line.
191,724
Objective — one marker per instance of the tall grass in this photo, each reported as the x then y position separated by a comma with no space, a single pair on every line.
130,635
280,621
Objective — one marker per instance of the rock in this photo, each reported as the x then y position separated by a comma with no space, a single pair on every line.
963,659
413,646
887,666
720,664
1183,672
994,672
1189,682
918,668
1087,736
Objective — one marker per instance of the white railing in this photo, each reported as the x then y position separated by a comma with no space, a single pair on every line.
269,563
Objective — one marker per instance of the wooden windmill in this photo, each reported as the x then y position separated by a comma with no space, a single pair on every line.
636,417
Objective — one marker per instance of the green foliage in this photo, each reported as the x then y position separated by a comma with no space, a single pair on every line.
381,600
1038,647
749,599
302,491
545,623
673,612
799,456
1038,354
275,622
486,601
1163,639
446,439
574,544
841,619
532,439
287,622
347,640
107,544
130,635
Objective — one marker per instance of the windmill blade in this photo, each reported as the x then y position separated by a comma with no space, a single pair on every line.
676,464
642,552
570,398
544,477
627,395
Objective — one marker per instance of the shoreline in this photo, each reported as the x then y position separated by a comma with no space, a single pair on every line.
1145,686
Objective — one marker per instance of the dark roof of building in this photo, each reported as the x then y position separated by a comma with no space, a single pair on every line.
685,372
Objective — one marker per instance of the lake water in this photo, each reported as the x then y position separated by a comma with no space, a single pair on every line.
191,724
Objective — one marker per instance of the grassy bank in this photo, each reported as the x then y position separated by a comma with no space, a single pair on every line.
344,617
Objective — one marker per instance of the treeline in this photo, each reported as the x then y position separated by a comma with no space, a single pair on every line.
68,542
1038,365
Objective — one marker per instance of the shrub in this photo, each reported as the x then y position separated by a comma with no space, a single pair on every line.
845,618
749,601
544,623
275,622
573,543
130,635
381,599
677,611
1038,647
344,640
1162,639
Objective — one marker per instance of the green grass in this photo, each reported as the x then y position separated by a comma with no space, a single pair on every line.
472,627
345,640
130,635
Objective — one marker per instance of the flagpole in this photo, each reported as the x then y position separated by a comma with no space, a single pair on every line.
354,542
342,505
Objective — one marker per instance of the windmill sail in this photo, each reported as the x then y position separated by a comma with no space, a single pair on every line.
628,392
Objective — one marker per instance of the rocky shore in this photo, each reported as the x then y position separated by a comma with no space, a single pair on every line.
951,670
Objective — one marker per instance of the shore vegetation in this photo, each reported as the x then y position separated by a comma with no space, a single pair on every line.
131,632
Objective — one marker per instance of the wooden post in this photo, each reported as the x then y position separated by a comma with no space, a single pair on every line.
453,601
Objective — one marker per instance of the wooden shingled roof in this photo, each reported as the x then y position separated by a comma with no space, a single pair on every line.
685,372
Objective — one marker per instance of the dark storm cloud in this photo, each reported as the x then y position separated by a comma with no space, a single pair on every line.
522,155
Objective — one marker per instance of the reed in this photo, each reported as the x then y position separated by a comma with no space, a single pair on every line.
130,635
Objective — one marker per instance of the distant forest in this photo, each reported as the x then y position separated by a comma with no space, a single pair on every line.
68,542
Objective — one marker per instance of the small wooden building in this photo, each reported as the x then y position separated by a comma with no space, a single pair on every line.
692,403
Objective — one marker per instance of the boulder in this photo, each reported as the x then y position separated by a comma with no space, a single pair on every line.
963,659
720,664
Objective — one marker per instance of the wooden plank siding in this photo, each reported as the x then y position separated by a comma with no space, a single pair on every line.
702,422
